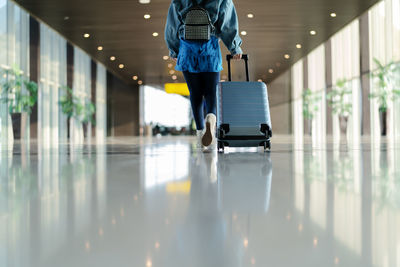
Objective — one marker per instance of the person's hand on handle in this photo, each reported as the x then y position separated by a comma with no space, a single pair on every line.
237,57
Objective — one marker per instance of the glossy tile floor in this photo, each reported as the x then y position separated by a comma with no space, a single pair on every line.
162,203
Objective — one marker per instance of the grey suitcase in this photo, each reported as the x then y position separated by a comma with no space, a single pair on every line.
243,116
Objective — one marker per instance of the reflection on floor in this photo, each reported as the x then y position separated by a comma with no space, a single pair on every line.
162,203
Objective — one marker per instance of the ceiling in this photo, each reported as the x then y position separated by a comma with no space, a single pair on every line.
119,26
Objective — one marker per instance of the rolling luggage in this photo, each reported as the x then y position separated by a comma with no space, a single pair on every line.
243,117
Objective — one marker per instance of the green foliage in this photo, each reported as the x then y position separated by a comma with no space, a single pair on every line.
310,103
339,100
74,107
12,85
385,83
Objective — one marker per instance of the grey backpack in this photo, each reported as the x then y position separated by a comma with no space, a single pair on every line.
198,26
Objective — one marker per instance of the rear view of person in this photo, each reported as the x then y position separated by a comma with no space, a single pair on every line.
192,34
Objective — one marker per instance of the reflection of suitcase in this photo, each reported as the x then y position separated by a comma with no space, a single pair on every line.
245,190
243,113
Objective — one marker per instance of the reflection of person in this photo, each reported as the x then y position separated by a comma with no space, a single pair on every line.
202,238
201,61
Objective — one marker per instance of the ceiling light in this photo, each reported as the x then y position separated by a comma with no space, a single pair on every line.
121,66
333,15
144,1
298,46
135,78
112,58
286,56
66,18
171,72
147,16
140,82
170,65
250,16
165,57
86,35
155,34
271,71
244,33
174,77
313,32
260,80
100,48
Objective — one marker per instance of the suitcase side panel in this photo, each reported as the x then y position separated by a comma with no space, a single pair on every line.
243,105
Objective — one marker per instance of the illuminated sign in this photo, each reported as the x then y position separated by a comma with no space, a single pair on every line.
177,88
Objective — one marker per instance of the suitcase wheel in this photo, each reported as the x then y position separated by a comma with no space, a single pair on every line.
267,146
221,147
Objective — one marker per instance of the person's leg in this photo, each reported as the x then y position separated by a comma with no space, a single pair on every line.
194,83
210,82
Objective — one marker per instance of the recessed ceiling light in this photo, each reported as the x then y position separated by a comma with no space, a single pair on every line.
271,71
333,15
112,58
100,48
170,65
66,18
155,34
147,16
260,80
286,56
135,78
121,66
298,46
174,77
140,82
250,16
86,35
244,33
165,57
171,72
144,1
313,32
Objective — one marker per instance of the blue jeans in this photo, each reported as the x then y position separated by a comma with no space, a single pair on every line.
203,93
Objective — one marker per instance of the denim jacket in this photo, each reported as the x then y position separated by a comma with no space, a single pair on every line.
223,17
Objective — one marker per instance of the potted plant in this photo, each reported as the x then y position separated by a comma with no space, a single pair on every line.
341,104
310,107
85,113
73,107
384,89
17,99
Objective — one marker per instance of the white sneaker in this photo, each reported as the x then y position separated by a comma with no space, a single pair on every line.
209,134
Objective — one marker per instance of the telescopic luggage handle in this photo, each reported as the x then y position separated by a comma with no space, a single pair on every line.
245,57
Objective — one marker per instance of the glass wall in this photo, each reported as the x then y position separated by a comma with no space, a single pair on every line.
384,30
167,110
384,39
297,82
82,90
53,76
14,51
346,66
317,84
101,106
